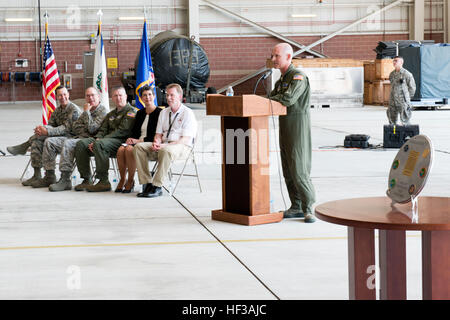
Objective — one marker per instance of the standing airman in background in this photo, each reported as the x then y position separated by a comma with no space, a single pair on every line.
403,88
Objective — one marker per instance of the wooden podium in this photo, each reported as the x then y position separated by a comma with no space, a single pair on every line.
245,157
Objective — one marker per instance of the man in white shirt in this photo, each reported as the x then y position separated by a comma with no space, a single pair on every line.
175,132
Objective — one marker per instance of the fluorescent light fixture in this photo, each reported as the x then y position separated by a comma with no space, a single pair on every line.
309,15
131,18
18,19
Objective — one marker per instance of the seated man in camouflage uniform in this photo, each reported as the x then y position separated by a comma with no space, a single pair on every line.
403,88
115,129
86,126
59,124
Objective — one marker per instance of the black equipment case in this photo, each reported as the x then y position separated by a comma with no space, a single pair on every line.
395,136
357,141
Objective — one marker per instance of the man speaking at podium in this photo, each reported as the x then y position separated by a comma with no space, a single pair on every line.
292,90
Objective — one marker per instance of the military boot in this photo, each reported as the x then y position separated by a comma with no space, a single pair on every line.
83,185
63,184
46,181
37,175
19,149
293,213
101,186
309,218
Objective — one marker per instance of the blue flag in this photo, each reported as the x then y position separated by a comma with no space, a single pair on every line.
144,72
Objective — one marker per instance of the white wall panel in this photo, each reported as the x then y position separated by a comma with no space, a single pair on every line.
77,20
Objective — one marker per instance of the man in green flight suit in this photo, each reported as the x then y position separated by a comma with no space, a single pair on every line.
115,129
292,90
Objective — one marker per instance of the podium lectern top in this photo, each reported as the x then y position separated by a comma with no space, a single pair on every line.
248,105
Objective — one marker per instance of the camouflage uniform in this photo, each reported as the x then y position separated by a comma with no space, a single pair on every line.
293,91
85,126
115,129
403,88
59,124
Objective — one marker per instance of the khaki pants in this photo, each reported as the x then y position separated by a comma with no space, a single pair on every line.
165,157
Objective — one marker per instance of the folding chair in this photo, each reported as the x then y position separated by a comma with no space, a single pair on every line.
29,162
25,170
172,187
113,165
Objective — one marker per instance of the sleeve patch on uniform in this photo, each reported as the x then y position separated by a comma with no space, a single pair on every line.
131,114
298,77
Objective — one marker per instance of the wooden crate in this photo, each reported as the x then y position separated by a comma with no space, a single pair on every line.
383,67
386,91
368,92
378,92
369,71
381,91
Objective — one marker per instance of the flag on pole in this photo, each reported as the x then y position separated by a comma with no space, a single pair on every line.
50,80
144,72
100,80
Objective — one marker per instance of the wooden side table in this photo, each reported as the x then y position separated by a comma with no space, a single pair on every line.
363,215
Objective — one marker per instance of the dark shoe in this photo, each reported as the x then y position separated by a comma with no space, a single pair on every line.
309,218
156,192
128,190
293,213
101,186
82,186
120,185
146,189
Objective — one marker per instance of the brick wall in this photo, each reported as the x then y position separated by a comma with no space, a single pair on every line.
230,59
71,51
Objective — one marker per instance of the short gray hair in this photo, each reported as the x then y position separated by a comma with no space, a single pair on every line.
176,86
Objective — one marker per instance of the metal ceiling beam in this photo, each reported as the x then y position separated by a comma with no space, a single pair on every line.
331,35
308,47
260,27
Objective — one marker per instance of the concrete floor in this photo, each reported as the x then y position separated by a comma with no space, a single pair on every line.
78,245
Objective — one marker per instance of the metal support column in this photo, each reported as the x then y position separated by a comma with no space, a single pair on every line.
194,18
446,21
417,20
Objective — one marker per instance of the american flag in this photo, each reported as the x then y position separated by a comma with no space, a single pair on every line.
50,81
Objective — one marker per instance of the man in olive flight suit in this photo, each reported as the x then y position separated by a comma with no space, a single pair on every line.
403,88
292,90
115,129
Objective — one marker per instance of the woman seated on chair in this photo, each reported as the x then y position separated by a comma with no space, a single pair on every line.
143,131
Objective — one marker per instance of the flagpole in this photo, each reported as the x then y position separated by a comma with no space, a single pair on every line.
45,39
100,76
40,35
99,14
